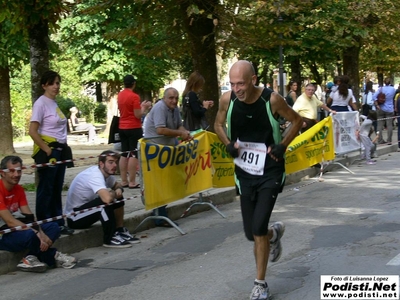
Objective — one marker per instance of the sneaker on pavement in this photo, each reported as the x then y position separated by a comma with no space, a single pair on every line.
371,162
275,251
127,236
31,263
117,242
66,230
64,261
260,291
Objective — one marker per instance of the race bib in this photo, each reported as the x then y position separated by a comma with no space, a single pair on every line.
251,157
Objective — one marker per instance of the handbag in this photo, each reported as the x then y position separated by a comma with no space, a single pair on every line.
367,103
381,97
113,135
190,121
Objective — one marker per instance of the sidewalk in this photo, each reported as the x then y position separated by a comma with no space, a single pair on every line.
134,208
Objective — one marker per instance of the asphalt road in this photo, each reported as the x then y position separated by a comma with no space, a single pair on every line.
349,224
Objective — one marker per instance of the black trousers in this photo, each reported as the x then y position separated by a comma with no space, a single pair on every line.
106,216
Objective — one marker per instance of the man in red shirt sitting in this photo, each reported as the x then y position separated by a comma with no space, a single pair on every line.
15,211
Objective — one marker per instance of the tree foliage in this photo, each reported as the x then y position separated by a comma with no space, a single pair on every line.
158,39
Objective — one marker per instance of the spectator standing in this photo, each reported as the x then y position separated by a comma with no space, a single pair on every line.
385,110
15,211
130,130
307,107
342,98
163,125
48,130
194,110
292,93
368,99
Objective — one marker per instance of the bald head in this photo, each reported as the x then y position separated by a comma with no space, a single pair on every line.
242,77
244,67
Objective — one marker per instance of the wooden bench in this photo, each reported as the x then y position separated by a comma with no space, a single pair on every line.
83,132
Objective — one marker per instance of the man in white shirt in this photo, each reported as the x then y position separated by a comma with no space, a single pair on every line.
94,187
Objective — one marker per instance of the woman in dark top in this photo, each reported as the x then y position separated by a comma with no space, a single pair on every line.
193,108
291,95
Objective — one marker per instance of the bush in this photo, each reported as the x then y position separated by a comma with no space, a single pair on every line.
100,113
20,113
65,104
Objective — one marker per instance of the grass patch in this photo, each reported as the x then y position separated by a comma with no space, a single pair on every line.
29,187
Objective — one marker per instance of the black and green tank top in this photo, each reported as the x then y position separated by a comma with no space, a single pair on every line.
255,123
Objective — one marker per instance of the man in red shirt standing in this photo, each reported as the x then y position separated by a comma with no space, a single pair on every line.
130,130
15,211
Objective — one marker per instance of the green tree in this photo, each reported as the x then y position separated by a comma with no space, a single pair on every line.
13,50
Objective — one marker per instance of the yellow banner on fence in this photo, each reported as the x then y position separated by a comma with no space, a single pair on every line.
222,162
311,147
171,173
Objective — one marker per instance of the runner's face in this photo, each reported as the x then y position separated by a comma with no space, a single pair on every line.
241,83
110,165
12,176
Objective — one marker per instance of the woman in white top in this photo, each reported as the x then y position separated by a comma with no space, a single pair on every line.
342,98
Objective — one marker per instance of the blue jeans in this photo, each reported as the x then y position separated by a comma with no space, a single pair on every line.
27,239
48,192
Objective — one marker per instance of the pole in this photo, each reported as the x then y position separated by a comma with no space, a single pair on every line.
281,84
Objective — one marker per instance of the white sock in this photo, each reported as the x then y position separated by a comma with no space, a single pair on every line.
259,281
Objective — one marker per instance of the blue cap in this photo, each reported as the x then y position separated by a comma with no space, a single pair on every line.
329,85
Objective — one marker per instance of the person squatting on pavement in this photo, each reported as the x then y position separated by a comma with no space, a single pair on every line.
363,135
15,211
251,114
90,188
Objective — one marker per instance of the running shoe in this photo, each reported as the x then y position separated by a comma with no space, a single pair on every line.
65,230
117,242
31,263
127,236
276,245
64,261
260,291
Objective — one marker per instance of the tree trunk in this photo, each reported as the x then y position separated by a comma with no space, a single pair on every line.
351,69
295,74
39,48
6,141
200,30
379,71
314,70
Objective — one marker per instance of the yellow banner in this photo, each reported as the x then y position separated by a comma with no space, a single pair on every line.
172,173
311,147
222,162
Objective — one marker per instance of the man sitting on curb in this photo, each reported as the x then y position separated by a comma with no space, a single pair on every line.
90,188
38,239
